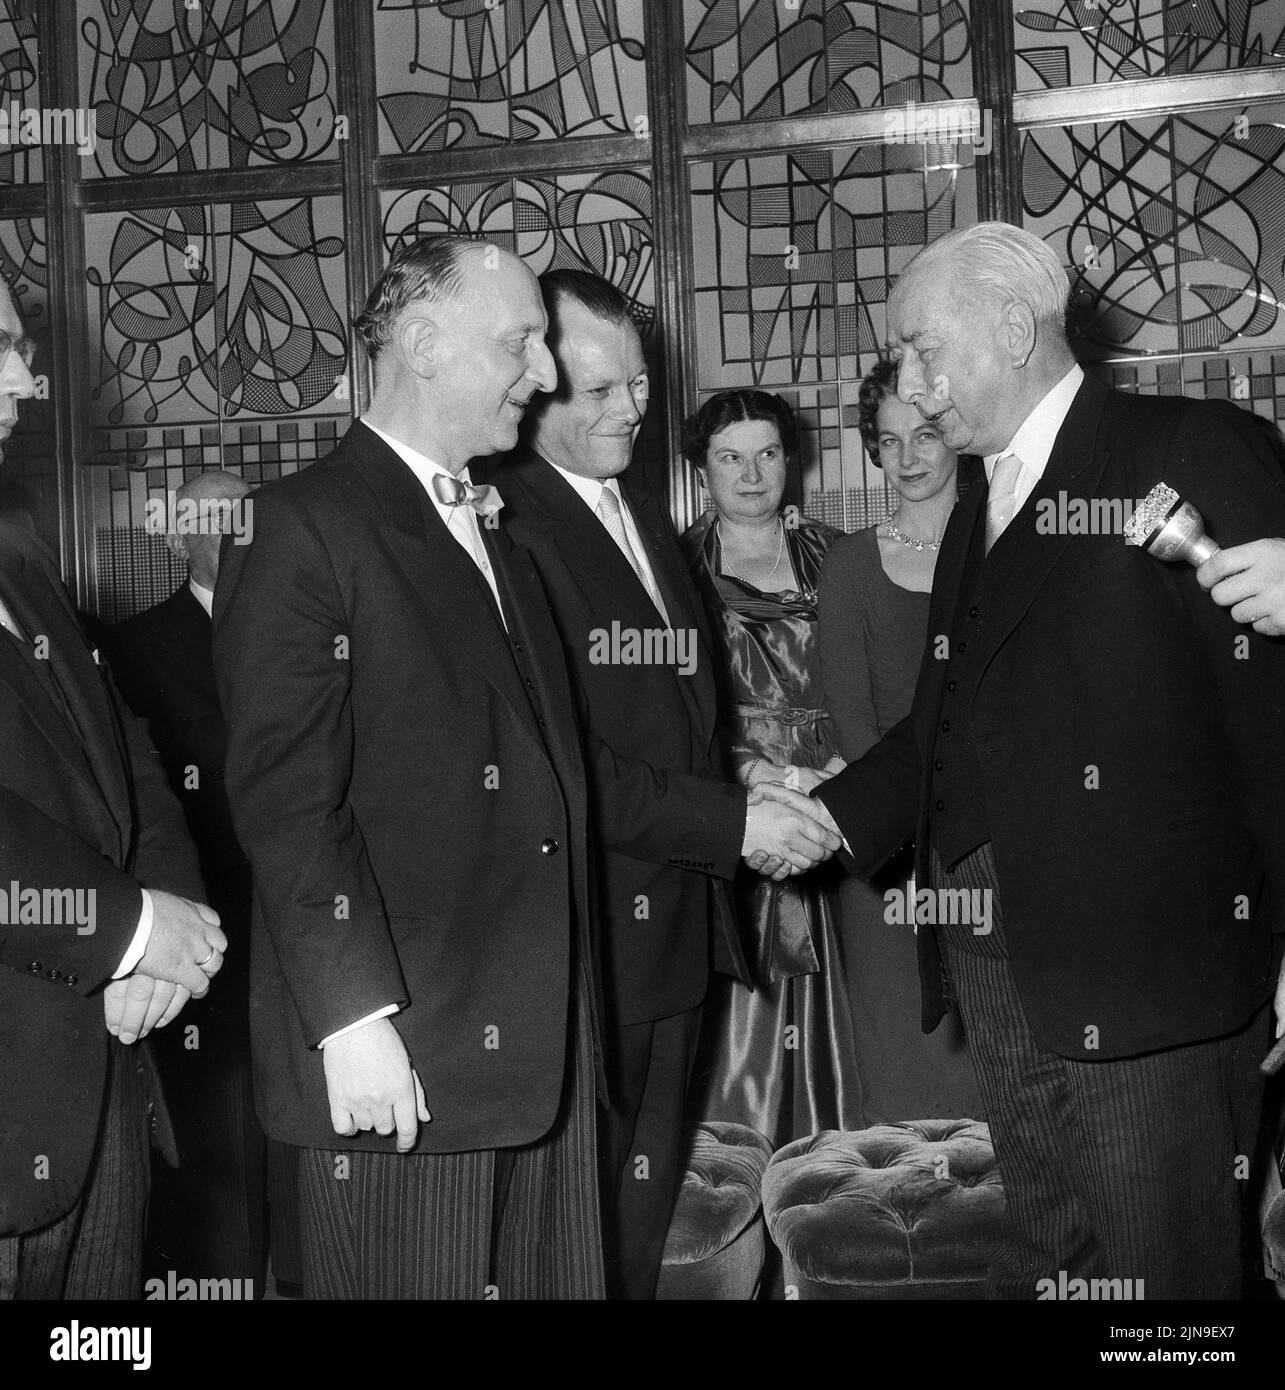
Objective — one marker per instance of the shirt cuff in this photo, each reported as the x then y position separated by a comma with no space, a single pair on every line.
142,934
361,1023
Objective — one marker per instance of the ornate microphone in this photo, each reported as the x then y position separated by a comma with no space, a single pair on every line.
1169,528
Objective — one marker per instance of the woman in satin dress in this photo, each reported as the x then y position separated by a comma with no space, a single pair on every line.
779,1059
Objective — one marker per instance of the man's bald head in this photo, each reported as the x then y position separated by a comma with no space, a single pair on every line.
204,511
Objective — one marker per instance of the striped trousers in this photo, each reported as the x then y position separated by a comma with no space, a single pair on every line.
95,1251
1117,1169
507,1224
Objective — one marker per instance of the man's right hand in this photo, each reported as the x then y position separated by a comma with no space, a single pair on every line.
371,1084
784,832
186,945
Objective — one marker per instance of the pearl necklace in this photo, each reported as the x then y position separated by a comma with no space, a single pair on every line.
731,573
911,541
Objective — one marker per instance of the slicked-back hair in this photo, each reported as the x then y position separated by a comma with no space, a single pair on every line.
591,292
735,408
879,383
998,262
428,270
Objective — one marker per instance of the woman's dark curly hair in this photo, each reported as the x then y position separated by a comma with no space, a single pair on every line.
880,383
733,408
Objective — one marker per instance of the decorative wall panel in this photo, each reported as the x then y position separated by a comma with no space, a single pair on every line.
1072,43
792,258
1173,232
19,87
765,59
229,84
458,73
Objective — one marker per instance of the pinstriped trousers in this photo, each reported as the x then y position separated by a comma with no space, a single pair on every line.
95,1251
1116,1169
510,1224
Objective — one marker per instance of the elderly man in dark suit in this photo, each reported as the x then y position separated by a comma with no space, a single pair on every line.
404,773
668,831
208,1217
91,958
1098,747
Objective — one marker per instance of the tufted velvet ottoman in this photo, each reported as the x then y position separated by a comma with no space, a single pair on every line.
715,1245
909,1210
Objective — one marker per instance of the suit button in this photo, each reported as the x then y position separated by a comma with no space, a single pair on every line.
71,979
53,975
549,847
35,967
974,611
938,765
945,726
950,685
941,805
962,646
517,646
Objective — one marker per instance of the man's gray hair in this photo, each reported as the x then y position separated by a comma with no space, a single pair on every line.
998,261
429,270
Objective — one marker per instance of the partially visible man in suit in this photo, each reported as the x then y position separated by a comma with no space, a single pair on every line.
92,960
669,832
404,773
207,1218
1099,748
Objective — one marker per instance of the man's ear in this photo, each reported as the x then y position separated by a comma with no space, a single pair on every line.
420,340
1019,324
177,543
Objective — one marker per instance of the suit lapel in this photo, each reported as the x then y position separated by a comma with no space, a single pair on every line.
446,579
86,737
1023,557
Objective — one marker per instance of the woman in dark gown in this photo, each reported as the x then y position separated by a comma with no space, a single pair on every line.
874,621
779,1059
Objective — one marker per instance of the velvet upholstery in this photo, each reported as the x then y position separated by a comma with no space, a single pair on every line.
902,1211
715,1245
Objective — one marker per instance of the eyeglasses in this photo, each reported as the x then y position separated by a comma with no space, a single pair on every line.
24,347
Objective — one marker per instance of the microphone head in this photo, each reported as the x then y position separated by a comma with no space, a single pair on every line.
1142,526
1169,529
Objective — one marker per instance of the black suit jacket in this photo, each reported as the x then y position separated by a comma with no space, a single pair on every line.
406,780
162,661
83,807
1141,909
663,817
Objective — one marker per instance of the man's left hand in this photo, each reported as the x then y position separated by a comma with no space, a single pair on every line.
132,1007
1250,580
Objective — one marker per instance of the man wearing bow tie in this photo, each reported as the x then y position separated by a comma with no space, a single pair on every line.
90,958
404,773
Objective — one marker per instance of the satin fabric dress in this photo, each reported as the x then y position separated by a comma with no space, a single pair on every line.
872,635
780,1058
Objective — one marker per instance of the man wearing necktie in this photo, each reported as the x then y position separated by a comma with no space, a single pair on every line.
1098,747
92,960
404,773
668,829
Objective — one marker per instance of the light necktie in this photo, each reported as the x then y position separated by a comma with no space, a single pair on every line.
10,623
453,492
1001,501
610,516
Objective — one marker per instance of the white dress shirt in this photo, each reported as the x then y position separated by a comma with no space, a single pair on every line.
1033,442
460,521
203,596
590,491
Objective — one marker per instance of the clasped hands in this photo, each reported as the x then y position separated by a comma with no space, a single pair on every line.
786,831
184,952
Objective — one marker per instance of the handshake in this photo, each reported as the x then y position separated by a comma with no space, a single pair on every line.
786,832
